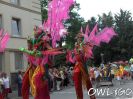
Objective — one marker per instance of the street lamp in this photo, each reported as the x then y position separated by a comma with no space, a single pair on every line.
102,58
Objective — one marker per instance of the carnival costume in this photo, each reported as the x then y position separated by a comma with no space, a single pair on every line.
82,52
43,47
39,55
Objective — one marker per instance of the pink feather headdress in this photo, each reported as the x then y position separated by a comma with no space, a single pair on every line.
91,39
58,11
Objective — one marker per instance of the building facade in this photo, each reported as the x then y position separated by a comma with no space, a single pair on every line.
18,18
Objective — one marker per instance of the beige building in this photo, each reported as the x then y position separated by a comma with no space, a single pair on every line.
18,17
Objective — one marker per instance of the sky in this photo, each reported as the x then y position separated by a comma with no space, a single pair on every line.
91,8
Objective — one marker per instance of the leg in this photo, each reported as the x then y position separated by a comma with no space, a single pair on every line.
19,90
58,85
89,86
78,84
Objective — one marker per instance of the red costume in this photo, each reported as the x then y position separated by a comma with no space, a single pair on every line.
82,52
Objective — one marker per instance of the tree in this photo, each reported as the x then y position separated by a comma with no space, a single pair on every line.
92,22
124,28
106,20
73,24
44,8
120,47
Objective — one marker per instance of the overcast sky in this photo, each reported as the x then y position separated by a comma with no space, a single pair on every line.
91,8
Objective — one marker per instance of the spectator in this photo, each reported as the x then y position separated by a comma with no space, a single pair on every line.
97,76
131,69
70,74
66,80
51,79
62,77
92,75
58,80
19,82
54,82
1,87
6,83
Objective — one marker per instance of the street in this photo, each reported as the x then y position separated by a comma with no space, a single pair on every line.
69,93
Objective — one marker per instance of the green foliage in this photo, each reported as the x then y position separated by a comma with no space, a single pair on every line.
44,8
124,28
119,48
73,24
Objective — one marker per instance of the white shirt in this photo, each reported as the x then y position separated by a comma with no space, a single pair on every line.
97,73
62,74
131,68
1,81
112,71
6,82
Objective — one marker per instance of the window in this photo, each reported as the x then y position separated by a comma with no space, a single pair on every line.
16,27
0,21
1,61
16,2
19,60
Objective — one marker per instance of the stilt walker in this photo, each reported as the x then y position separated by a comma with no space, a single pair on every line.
82,52
39,55
42,47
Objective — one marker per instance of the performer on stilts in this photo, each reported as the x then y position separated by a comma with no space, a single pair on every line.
39,55
43,47
82,52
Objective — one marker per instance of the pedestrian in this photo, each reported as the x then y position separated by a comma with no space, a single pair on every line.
62,77
131,69
6,83
97,77
92,75
1,87
51,79
54,80
19,82
112,73
66,80
70,74
58,80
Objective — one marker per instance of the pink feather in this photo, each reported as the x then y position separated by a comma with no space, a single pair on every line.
3,42
57,12
44,60
87,31
69,57
105,35
81,29
95,38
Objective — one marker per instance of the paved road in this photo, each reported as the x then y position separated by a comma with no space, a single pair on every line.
124,91
115,92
